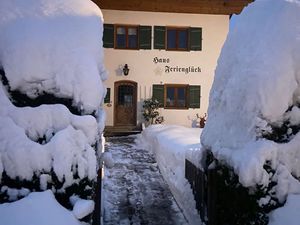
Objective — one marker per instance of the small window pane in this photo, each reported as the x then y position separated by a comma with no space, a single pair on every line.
170,101
125,95
181,97
121,37
183,36
171,39
132,31
121,30
132,37
121,41
132,41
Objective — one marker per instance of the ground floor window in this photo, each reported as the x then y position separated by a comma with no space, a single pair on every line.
177,96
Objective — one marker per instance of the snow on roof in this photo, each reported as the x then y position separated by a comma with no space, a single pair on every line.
256,83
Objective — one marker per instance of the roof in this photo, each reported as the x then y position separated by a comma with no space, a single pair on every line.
222,7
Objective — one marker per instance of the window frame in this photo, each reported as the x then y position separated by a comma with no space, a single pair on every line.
176,86
177,29
126,36
107,98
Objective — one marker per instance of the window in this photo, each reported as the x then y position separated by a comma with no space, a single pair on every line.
175,96
177,39
125,95
107,97
126,37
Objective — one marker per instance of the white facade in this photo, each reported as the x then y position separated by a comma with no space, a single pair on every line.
146,71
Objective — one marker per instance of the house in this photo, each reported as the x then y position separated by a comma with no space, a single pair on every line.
166,50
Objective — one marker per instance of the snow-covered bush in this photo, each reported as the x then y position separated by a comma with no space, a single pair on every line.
150,111
51,67
253,123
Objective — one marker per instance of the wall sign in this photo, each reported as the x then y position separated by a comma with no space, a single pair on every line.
176,69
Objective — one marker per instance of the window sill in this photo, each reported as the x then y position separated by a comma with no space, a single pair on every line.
176,108
126,48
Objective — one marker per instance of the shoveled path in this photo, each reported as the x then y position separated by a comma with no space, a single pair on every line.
134,190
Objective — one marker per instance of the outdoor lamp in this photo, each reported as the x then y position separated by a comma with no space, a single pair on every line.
125,70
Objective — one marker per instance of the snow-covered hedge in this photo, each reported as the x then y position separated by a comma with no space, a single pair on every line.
50,52
53,47
253,123
170,144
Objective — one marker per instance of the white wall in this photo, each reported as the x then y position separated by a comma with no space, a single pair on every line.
145,72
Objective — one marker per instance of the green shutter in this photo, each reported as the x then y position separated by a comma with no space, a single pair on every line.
159,37
194,96
108,36
145,37
107,97
195,38
158,93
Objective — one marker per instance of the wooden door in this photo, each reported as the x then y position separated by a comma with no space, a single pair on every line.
125,103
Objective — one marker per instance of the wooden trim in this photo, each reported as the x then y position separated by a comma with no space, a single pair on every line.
176,96
126,36
221,7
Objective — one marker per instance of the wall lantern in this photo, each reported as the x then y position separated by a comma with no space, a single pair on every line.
125,70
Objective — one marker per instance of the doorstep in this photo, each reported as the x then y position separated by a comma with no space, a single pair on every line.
110,131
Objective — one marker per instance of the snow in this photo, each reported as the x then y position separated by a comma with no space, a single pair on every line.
135,192
51,47
36,209
54,48
288,214
255,85
82,208
262,69
63,39
69,151
171,144
108,160
255,91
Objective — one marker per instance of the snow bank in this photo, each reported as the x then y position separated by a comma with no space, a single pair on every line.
256,82
81,207
288,214
254,102
68,141
259,81
170,145
54,47
36,209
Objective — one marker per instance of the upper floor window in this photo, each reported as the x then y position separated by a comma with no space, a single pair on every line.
126,37
177,39
140,37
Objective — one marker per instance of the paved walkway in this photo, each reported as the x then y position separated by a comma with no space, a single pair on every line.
134,190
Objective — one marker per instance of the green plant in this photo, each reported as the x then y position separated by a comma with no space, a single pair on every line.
150,111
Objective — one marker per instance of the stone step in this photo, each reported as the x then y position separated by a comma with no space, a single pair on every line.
110,131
